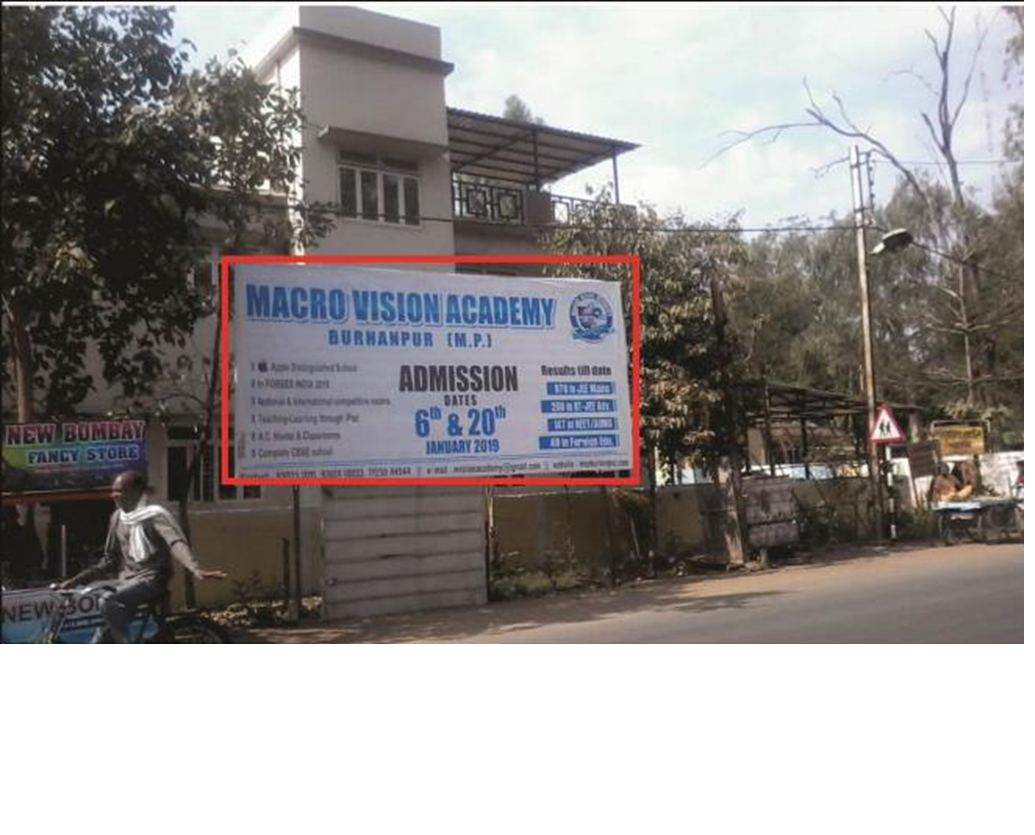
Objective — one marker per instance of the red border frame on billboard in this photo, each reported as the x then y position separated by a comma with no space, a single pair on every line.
224,362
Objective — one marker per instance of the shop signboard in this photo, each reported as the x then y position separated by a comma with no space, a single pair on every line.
70,456
959,438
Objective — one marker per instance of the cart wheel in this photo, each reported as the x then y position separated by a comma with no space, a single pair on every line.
951,534
979,530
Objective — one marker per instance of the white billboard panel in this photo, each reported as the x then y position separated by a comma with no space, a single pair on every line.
349,372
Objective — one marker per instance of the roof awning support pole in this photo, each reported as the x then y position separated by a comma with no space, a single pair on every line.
768,426
535,159
805,447
614,170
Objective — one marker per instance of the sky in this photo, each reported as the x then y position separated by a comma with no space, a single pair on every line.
677,78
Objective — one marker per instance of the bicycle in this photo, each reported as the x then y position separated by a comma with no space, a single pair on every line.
72,616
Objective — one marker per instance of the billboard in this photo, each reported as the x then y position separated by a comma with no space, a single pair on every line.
959,438
81,455
346,372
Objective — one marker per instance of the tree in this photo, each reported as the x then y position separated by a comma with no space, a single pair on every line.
795,310
113,155
976,304
1014,139
517,111
256,200
103,179
113,158
683,375
689,374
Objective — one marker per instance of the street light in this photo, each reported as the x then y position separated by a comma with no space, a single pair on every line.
894,241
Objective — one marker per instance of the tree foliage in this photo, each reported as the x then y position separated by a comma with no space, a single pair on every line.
796,309
101,181
515,109
254,130
686,375
1014,68
116,162
947,314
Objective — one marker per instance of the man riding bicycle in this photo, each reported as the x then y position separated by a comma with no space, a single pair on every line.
142,541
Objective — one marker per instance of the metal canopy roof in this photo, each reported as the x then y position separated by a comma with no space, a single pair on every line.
522,153
786,402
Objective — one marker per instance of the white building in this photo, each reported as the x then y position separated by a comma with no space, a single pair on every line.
411,176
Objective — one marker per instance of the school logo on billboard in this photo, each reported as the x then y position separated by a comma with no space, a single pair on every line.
591,317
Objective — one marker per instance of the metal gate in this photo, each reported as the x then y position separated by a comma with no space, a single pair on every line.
401,549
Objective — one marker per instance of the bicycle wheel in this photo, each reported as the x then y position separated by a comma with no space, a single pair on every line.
194,629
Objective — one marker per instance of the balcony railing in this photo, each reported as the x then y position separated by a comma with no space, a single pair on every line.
487,202
473,200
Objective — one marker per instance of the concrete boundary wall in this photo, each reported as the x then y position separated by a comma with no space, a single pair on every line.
534,530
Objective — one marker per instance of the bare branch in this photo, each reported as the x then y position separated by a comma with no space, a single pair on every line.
747,136
970,75
934,42
1003,317
844,113
914,74
930,127
853,132
948,291
958,331
823,170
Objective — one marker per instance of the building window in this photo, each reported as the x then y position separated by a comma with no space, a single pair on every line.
379,189
183,441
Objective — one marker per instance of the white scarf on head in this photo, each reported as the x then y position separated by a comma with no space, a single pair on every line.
140,547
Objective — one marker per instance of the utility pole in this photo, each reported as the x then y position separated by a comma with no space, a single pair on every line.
868,372
728,468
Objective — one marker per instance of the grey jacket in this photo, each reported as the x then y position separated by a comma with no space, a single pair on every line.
165,537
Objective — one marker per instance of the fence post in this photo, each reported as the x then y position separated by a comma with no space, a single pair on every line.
285,559
610,537
297,513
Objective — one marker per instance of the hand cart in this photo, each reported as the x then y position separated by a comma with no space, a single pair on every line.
979,519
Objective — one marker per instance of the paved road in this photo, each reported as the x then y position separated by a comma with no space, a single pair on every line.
965,594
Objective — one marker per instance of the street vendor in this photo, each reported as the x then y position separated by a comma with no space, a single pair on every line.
967,475
947,488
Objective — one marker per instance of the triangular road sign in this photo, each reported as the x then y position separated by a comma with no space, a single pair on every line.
885,429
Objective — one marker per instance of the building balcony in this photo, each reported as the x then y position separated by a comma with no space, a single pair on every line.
480,201
500,168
